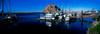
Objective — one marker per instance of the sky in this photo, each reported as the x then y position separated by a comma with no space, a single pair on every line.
39,5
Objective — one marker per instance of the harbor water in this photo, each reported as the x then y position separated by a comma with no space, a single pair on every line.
30,23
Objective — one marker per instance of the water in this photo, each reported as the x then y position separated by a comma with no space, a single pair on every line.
30,23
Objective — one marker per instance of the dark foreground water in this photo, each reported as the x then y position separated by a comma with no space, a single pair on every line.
30,23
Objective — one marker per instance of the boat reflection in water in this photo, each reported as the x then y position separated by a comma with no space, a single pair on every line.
49,24
67,24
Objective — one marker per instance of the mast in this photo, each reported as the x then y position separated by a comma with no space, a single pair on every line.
82,15
62,6
54,6
2,9
9,8
69,8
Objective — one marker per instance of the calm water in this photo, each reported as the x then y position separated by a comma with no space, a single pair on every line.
30,23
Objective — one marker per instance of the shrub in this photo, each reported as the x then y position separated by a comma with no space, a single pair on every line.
98,18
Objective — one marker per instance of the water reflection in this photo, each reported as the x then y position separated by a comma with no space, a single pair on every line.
78,26
68,25
81,24
49,24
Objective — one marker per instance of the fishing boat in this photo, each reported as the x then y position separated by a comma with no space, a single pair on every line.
47,17
57,17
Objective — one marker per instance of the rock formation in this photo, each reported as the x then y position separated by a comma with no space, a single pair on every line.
50,8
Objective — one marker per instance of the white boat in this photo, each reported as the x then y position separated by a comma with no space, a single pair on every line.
56,16
67,18
60,17
48,17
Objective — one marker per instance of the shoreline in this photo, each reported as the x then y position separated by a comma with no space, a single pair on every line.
93,25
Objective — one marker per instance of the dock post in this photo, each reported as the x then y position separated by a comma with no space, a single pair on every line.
82,16
82,19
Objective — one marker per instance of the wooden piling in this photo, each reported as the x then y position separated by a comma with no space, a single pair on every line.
82,16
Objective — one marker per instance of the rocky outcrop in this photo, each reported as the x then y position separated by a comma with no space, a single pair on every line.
51,8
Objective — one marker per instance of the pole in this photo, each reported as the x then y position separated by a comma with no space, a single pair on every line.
82,16
9,7
2,9
82,19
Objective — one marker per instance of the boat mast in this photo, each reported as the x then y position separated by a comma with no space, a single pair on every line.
9,8
68,9
62,7
54,7
2,9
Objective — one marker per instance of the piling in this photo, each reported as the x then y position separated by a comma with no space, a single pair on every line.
82,16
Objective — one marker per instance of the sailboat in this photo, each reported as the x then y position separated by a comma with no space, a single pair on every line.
9,18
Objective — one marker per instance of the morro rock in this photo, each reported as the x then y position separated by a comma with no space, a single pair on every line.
51,8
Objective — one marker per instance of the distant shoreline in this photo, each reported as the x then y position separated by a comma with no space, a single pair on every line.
24,12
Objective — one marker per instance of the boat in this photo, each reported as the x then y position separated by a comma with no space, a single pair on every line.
67,18
57,17
9,18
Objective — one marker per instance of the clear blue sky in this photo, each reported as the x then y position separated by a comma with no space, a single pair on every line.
39,5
